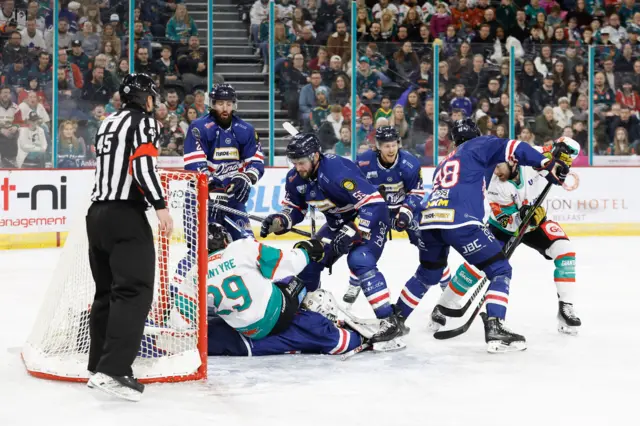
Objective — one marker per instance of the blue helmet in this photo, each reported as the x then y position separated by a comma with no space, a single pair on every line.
387,134
303,145
464,130
222,92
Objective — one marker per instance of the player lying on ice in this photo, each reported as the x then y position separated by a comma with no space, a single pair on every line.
259,308
511,193
452,217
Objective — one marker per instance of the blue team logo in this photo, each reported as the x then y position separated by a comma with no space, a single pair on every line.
227,141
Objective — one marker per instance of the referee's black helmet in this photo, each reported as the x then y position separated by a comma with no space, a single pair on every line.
136,88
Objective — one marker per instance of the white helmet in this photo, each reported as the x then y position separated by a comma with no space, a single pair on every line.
574,146
322,302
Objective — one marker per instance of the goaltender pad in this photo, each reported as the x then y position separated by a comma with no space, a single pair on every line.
171,350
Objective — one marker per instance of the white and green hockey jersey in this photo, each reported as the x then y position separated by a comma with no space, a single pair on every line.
240,282
507,198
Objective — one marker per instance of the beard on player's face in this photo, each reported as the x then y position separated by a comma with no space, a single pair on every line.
223,119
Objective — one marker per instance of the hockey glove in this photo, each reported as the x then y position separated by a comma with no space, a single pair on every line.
558,171
276,223
313,248
403,219
538,215
346,237
217,197
239,187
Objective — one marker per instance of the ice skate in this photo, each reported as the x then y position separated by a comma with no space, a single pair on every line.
390,328
351,295
438,320
568,321
499,338
125,387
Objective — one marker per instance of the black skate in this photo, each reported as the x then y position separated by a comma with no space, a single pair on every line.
499,338
404,330
351,295
438,319
568,321
125,387
390,328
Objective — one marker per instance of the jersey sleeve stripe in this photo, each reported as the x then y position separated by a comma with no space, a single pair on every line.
195,156
373,198
268,260
343,342
290,204
256,157
512,145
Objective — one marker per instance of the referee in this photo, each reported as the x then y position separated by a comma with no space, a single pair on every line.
121,248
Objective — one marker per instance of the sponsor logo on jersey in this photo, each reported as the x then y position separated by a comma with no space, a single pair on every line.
227,141
321,205
224,170
301,189
437,215
438,203
226,154
348,184
363,222
209,125
364,163
373,174
439,194
242,126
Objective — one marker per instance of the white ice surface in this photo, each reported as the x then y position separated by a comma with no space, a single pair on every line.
593,378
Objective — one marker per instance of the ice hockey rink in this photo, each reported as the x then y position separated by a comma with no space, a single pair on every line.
592,378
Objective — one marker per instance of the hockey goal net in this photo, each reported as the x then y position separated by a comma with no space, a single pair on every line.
174,345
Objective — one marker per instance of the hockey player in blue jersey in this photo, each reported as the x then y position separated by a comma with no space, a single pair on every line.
398,176
225,148
337,188
452,216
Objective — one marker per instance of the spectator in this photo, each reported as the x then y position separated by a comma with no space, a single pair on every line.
98,114
297,24
618,34
544,62
71,149
142,64
546,95
477,78
112,60
383,6
34,86
440,21
422,126
8,129
603,95
339,44
8,11
460,101
527,136
32,38
413,108
32,13
581,14
413,22
520,31
199,104
190,115
173,103
172,138
311,10
562,113
388,28
397,120
377,62
624,62
532,10
546,127
89,39
329,129
16,75
321,63
501,131
360,110
192,63
114,104
580,131
41,70
610,74
628,97
92,15
369,85
121,71
181,26
520,122
110,80
13,49
320,112
492,94
343,146
384,110
328,13
506,15
340,90
444,143
308,43
406,61
627,121
78,56
166,68
621,145
485,125
64,36
482,110
32,104
108,36
560,77
307,98
365,131
259,13
96,91
32,143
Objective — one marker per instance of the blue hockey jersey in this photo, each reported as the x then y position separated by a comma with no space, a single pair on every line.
459,182
402,181
340,191
221,153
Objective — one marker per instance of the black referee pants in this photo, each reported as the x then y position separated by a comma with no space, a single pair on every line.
122,258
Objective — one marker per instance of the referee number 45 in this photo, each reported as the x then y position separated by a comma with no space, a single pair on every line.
103,145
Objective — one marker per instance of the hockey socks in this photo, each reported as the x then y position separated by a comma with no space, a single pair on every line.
497,297
564,276
410,296
375,289
466,277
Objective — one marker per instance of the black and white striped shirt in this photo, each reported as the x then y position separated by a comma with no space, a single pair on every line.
126,159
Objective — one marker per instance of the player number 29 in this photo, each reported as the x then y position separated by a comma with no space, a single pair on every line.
232,288
448,175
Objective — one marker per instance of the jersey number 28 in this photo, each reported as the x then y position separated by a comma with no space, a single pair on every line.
232,288
448,175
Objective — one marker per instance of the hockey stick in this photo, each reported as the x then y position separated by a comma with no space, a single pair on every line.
261,219
363,347
509,249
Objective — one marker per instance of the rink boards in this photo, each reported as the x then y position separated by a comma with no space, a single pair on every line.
38,207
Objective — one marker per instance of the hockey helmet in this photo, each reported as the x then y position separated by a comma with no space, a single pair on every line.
303,145
322,302
568,145
386,134
217,237
464,130
136,88
222,92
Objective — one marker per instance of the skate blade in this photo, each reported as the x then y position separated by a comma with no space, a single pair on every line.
498,347
396,344
113,388
568,330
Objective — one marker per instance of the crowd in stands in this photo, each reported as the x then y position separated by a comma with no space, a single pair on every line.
93,52
394,81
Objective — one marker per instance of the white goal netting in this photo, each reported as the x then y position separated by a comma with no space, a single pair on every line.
173,347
